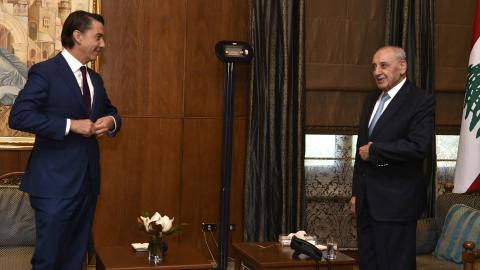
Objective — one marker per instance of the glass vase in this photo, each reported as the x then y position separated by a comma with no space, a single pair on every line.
155,249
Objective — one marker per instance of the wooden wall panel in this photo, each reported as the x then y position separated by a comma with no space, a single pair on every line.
141,169
161,72
201,177
165,57
209,21
144,60
13,161
238,175
122,60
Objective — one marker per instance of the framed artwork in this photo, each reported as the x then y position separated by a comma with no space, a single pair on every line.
29,33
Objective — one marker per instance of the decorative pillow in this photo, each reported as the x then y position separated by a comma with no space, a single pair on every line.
462,223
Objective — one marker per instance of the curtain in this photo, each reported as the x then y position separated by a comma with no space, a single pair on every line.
274,184
409,24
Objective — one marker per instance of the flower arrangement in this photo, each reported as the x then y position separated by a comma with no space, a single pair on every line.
157,226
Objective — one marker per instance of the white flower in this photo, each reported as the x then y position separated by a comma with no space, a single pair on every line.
146,222
157,219
166,223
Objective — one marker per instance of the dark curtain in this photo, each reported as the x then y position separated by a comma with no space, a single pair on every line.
274,184
409,24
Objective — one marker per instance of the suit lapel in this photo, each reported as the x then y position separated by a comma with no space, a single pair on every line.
394,105
69,78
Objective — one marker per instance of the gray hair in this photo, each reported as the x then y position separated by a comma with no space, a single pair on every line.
399,52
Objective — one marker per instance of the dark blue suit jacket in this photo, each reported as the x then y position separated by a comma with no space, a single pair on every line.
58,162
392,181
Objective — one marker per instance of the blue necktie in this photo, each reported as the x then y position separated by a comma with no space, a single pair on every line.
379,111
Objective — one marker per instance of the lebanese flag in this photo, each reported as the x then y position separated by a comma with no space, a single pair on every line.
467,171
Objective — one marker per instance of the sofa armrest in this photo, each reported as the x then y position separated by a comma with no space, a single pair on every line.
426,236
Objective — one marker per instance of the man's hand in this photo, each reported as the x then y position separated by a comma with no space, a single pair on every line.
103,125
352,206
84,127
364,150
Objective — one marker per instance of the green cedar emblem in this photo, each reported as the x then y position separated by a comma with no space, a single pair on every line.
472,97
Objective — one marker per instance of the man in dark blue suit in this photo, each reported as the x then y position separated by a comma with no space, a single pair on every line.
65,105
388,192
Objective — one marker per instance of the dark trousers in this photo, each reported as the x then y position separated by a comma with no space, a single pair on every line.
385,245
63,227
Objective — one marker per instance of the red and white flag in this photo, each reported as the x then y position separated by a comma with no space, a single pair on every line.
467,171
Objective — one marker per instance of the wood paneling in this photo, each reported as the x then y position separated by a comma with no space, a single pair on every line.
201,176
141,171
13,161
161,71
144,61
210,21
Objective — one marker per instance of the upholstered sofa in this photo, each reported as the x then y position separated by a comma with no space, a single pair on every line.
17,224
429,232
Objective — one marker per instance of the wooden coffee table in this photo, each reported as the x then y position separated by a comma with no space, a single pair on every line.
271,255
178,256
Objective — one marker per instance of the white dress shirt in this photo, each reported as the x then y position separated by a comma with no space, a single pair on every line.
75,66
392,92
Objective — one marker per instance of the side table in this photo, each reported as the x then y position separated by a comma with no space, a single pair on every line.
178,256
271,255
